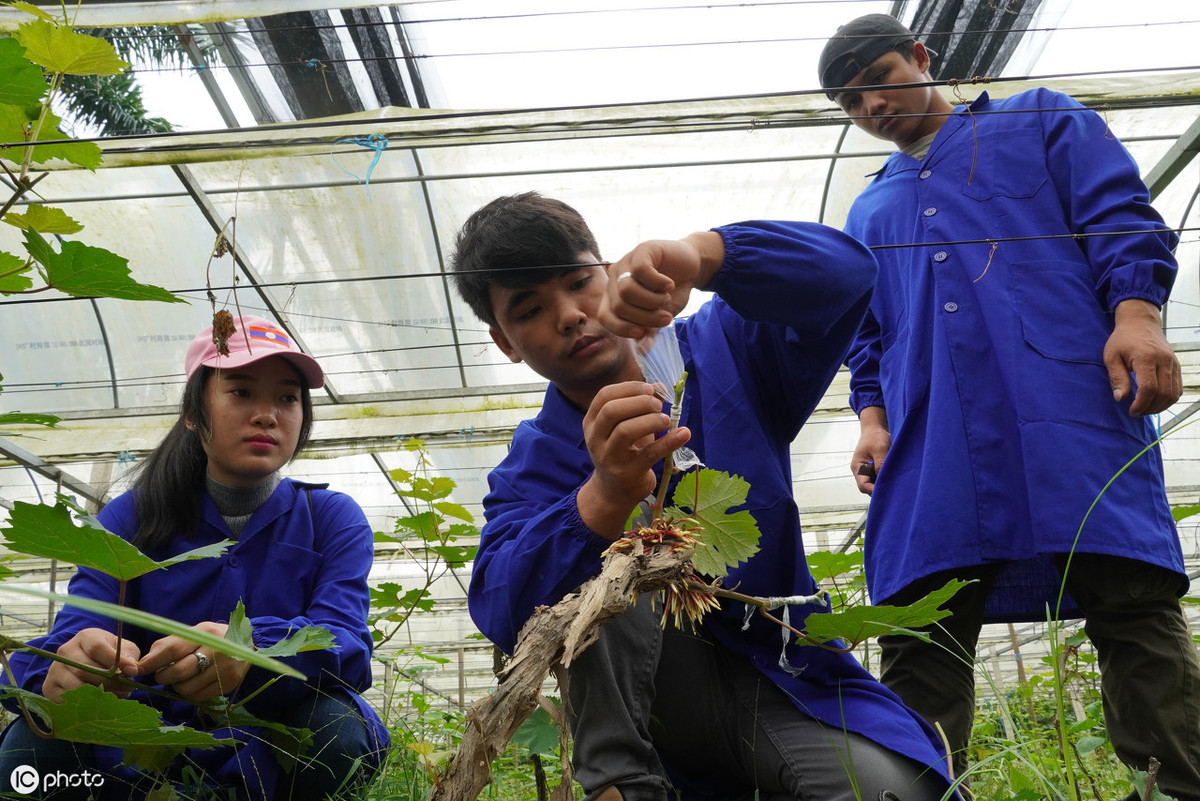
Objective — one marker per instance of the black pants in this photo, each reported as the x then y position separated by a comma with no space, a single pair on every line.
1150,675
648,703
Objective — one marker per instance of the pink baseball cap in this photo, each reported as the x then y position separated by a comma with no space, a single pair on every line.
254,339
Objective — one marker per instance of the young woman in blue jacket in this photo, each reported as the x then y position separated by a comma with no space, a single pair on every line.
300,557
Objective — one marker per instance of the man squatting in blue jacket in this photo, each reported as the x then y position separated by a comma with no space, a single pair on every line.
722,712
993,375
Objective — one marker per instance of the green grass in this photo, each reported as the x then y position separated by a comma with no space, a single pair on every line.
1015,748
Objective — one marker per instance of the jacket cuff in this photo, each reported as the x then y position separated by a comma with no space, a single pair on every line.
860,400
579,529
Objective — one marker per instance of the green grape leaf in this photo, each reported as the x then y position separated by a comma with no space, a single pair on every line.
457,511
16,124
89,714
240,631
21,83
538,733
49,532
30,8
1184,512
47,219
726,539
309,638
37,703
417,652
827,565
37,246
390,595
860,623
60,49
457,530
84,271
13,272
455,554
423,525
429,489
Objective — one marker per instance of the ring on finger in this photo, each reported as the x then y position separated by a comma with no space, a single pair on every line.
202,661
623,276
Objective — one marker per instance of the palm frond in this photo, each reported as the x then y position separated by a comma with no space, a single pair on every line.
110,103
159,45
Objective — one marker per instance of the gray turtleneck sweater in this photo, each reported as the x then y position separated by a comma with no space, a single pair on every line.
237,504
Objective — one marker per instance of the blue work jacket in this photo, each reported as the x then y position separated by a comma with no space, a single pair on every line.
758,357
291,567
984,345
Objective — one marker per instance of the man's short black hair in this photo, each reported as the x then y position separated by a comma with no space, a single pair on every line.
510,241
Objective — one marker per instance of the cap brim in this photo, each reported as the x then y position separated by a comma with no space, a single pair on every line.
314,376
842,68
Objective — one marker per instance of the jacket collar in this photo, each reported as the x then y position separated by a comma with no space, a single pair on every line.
282,500
956,125
559,418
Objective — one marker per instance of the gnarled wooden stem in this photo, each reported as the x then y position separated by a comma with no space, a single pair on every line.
553,636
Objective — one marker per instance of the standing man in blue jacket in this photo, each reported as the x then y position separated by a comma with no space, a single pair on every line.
992,380
727,710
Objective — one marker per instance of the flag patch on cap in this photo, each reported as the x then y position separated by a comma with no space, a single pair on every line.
271,335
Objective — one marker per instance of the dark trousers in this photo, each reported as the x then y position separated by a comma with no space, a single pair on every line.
340,762
670,714
1149,672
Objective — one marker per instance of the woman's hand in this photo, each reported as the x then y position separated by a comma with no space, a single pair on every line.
96,648
194,672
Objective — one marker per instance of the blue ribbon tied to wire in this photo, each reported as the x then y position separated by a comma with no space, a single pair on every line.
376,142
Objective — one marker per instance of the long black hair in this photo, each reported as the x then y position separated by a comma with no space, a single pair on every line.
166,485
